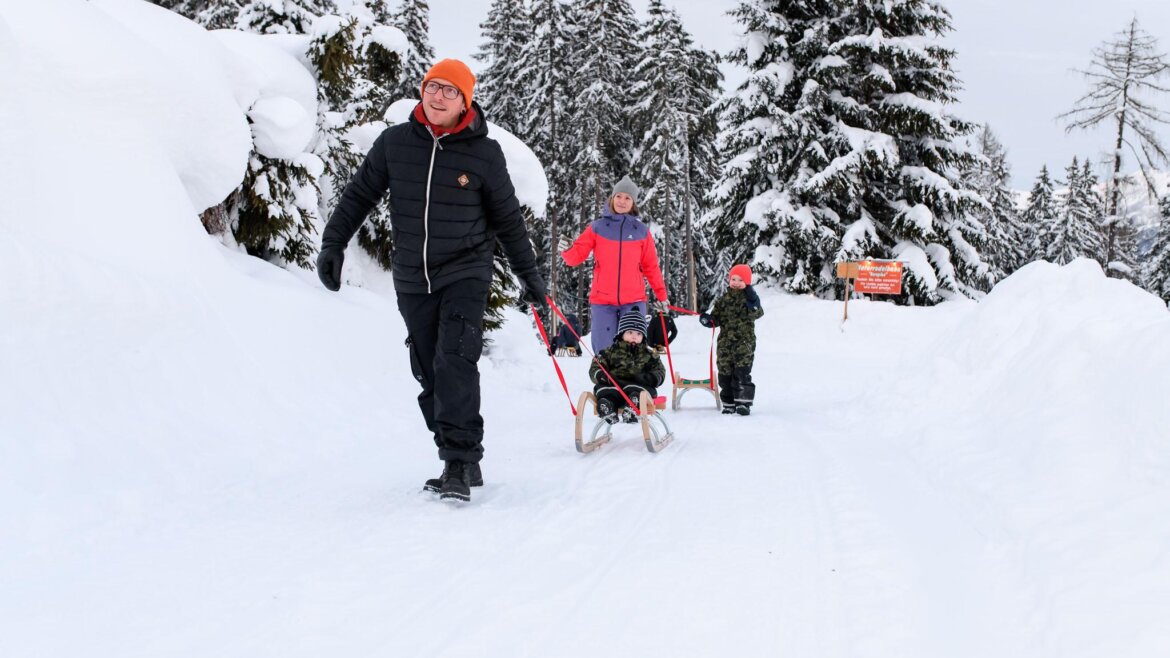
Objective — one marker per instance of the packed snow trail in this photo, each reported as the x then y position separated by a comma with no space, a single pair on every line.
806,527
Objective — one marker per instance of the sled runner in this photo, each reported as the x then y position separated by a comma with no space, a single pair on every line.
655,430
682,386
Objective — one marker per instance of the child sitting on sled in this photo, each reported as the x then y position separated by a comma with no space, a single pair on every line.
634,365
735,313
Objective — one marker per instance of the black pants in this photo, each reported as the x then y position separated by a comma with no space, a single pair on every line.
445,340
736,387
607,391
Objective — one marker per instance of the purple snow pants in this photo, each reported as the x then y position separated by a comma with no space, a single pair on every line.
605,322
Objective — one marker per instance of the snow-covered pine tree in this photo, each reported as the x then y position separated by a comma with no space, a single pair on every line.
356,70
1091,205
704,85
211,14
660,120
603,54
1072,232
1041,212
1122,71
282,16
769,133
414,19
1005,248
841,145
276,210
891,99
547,76
335,53
1156,269
382,12
499,88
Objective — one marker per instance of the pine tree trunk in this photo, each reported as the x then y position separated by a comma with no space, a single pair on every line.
667,237
692,284
554,233
1115,193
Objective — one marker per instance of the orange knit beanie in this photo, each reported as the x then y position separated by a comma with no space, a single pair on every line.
742,271
455,71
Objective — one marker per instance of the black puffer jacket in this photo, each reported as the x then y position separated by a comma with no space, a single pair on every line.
449,234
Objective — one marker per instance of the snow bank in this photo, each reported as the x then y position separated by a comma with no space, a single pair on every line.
1053,449
183,102
106,132
1070,339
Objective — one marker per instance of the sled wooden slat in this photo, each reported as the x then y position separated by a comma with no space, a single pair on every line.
682,385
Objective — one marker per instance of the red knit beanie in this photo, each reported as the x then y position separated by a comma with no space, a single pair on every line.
742,271
455,71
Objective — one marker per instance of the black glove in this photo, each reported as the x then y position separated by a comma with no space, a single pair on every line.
329,263
706,320
647,379
532,290
753,299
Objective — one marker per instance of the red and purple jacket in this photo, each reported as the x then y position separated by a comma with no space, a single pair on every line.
624,257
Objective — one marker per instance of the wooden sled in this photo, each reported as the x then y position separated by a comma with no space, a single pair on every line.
655,431
568,351
681,386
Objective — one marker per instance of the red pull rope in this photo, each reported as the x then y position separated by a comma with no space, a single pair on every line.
561,375
553,306
710,360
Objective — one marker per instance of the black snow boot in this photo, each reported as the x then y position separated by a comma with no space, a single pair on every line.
606,411
728,409
745,390
474,475
456,482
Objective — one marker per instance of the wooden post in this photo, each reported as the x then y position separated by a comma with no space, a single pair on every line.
847,271
846,300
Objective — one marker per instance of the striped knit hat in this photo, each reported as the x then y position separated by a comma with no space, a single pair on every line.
632,321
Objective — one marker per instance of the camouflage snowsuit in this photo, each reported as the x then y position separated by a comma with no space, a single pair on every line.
736,349
635,367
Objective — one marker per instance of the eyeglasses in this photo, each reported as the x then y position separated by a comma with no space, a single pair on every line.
451,93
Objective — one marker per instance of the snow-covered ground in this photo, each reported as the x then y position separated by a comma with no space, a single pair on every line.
204,455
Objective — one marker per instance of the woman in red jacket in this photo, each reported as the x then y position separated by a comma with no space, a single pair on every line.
624,259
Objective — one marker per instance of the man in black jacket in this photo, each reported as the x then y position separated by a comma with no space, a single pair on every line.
451,200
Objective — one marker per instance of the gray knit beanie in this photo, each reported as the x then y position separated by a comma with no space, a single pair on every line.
626,185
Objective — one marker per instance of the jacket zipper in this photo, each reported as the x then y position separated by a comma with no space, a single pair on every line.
427,207
621,231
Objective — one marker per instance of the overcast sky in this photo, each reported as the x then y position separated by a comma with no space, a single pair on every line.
1015,58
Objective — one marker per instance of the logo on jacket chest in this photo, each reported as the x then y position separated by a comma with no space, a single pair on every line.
463,180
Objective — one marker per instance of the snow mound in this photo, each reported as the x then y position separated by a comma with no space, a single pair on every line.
276,91
109,133
1071,338
173,72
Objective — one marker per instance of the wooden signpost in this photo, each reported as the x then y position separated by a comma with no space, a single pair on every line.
872,277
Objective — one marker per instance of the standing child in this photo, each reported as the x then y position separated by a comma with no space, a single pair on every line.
634,365
735,313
